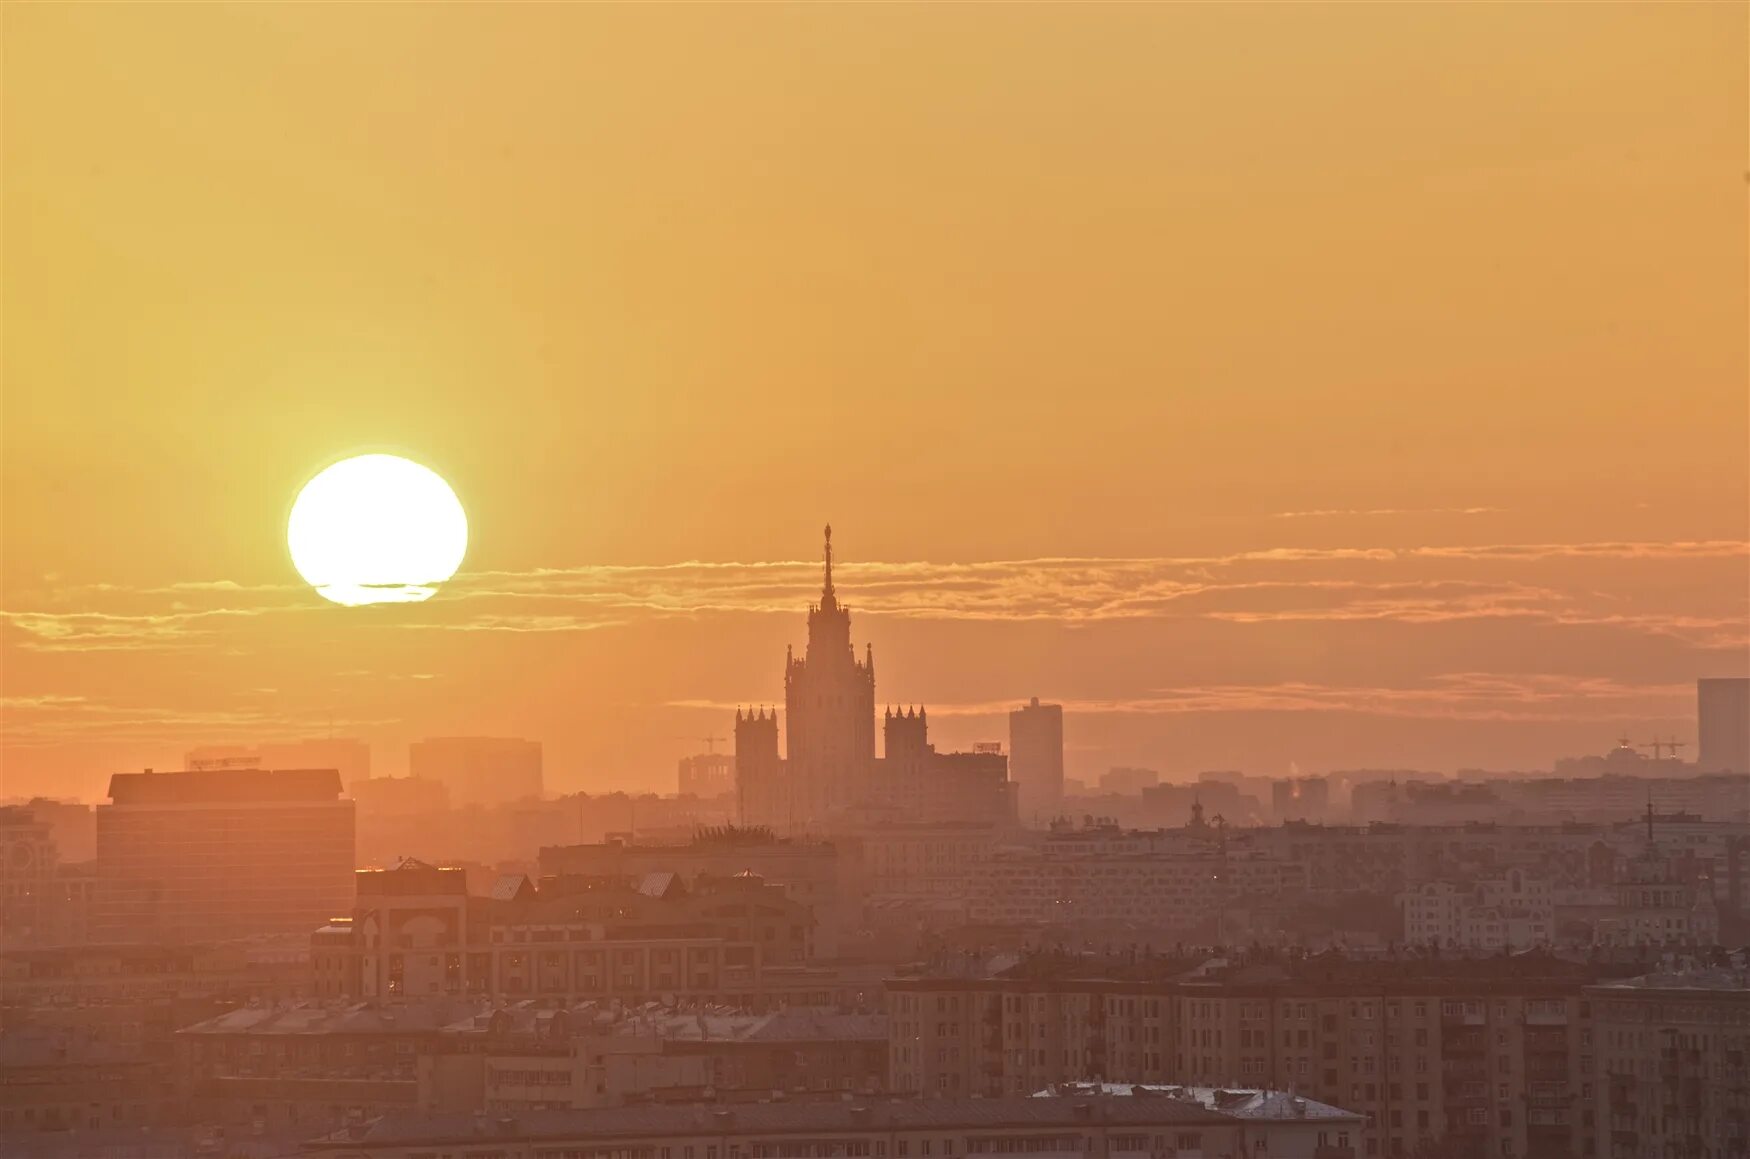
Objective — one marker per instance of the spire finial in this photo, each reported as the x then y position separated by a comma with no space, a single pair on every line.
827,599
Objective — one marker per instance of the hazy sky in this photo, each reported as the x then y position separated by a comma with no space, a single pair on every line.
1347,385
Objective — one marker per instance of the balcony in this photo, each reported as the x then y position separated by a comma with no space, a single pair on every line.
1469,1042
1547,1017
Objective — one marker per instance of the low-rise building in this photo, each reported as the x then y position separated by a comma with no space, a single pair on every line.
530,1057
1280,1124
810,872
62,1079
1077,1128
416,931
307,1066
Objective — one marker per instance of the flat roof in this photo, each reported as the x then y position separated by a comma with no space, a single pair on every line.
774,1119
225,786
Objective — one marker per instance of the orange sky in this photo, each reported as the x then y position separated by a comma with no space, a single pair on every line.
1277,334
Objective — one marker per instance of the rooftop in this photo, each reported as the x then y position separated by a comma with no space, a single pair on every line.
714,1024
225,786
1714,978
1242,1102
770,1118
331,1018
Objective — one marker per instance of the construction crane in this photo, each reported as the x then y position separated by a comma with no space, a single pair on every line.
1659,746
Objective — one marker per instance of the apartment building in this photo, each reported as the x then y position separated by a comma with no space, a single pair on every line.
533,1056
416,932
308,1066
1155,892
1428,1050
1044,1128
1674,1063
812,873
1515,911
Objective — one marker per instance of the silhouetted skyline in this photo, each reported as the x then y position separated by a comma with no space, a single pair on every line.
1343,386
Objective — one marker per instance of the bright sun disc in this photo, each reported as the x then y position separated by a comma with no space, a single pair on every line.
377,529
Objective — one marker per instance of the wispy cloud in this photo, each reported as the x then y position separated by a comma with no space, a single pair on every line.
1374,512
1457,696
54,719
513,623
1576,585
93,631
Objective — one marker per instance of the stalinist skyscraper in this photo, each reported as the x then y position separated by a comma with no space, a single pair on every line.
830,772
829,697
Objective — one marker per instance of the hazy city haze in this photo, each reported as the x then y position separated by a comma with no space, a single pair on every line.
853,581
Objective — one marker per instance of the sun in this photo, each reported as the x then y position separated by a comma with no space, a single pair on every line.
377,529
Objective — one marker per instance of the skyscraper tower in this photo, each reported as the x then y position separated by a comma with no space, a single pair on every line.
1036,759
1723,725
829,700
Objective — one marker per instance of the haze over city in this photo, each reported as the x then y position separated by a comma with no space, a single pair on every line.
1327,406
875,581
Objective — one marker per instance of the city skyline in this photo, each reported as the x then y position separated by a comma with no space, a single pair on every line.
1399,422
1562,711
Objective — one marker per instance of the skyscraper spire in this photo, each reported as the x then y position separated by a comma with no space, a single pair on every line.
827,598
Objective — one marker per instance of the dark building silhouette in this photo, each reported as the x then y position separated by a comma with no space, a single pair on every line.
208,855
1036,758
830,773
1722,711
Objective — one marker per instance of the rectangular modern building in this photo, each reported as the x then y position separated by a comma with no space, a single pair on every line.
1722,719
479,770
1036,759
208,855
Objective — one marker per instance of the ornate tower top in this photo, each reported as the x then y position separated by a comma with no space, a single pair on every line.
828,600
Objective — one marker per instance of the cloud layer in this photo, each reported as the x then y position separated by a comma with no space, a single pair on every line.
1417,585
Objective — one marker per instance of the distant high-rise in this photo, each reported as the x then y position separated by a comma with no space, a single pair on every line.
1036,758
829,698
829,774
479,770
208,855
1722,713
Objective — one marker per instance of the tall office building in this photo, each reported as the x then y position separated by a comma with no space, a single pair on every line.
1036,758
1722,716
479,770
224,853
